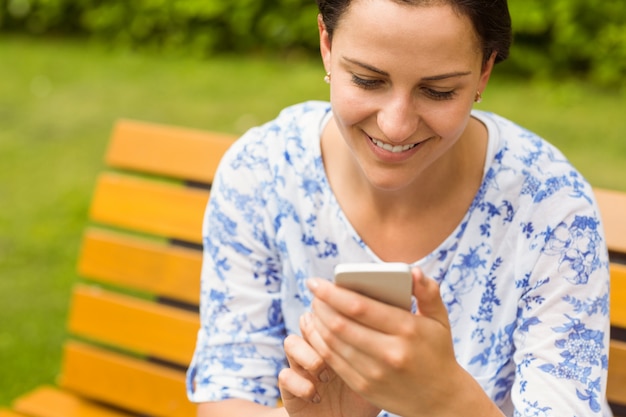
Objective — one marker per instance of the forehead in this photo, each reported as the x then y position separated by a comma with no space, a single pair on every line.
432,31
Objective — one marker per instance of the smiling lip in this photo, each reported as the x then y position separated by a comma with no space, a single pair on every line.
390,148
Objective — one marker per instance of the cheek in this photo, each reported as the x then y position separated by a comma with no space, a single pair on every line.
351,106
448,121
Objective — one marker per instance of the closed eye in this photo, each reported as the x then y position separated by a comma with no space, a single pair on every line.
366,83
439,95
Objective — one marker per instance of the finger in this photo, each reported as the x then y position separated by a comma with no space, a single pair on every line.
428,296
299,380
303,358
342,334
293,385
371,313
342,358
322,339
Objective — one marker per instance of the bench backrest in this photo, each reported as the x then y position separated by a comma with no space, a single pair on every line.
613,208
133,318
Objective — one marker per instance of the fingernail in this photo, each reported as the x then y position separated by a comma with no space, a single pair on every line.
312,284
306,318
421,278
324,377
317,399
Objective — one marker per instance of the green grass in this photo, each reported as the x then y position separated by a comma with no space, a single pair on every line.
59,100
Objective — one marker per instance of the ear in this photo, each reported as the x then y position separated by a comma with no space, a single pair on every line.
486,72
325,42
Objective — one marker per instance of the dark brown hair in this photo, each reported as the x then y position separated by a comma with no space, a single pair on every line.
490,18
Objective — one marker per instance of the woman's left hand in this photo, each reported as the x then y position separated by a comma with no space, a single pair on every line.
403,363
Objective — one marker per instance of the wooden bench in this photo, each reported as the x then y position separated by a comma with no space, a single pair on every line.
133,317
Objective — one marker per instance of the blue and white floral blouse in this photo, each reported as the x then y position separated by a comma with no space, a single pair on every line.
524,275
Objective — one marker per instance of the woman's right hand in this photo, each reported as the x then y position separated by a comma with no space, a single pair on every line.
310,388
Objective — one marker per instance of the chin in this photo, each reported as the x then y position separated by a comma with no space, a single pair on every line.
389,182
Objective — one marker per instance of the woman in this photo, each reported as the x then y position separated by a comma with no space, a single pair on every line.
510,270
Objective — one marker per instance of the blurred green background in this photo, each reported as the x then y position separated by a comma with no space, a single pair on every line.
70,68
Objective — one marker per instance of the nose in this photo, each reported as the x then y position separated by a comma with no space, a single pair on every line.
398,118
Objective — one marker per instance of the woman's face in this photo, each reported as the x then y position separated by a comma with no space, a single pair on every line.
403,82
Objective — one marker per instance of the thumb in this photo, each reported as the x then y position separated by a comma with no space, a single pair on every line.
429,302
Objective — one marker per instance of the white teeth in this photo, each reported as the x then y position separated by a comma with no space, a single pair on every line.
394,149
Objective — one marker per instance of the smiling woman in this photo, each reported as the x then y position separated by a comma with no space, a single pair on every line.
502,233
49,139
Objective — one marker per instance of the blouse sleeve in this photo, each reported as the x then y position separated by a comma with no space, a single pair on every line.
239,348
562,332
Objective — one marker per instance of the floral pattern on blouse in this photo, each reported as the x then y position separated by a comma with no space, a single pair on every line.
524,276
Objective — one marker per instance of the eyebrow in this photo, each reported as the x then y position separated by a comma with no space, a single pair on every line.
447,75
366,66
429,78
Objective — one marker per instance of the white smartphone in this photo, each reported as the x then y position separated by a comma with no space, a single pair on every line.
390,283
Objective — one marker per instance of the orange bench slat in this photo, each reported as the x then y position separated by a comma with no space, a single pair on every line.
52,402
9,413
140,264
130,383
613,209
172,151
618,296
616,389
160,331
150,206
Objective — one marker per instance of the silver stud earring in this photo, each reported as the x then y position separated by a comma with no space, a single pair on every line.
479,97
327,78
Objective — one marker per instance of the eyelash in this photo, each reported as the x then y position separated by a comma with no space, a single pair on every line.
440,95
368,84
364,83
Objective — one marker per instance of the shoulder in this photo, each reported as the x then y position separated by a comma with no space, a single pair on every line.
296,126
516,140
529,165
274,158
299,115
297,120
